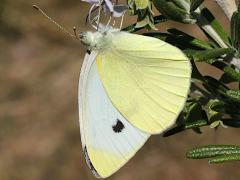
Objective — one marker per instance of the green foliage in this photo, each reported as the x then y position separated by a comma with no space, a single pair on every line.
211,101
208,55
181,40
230,74
216,153
132,28
235,26
178,10
143,10
207,19
195,4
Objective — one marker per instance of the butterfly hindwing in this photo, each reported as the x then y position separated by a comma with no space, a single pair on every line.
108,139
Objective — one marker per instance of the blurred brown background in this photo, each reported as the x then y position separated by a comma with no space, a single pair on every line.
39,129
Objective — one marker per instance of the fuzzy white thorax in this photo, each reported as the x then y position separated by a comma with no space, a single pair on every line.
98,40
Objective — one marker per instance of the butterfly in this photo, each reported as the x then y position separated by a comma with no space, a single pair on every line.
131,86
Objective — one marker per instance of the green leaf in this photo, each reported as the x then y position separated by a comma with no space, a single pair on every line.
212,151
182,42
233,95
132,28
143,23
215,124
215,25
132,11
192,110
195,4
230,74
196,75
142,14
187,39
188,125
213,110
229,98
225,158
215,86
143,10
187,118
232,108
163,36
141,4
177,10
216,153
231,122
196,124
235,25
206,55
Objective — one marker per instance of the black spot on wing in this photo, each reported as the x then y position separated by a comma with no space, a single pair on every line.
89,163
118,127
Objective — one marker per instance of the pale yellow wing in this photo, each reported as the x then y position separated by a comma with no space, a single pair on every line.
146,79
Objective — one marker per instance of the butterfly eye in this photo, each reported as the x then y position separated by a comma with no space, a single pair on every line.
85,38
81,35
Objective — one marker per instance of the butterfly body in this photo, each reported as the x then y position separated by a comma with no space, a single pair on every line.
130,87
98,40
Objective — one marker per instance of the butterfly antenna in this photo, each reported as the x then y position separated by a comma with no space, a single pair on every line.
75,33
54,22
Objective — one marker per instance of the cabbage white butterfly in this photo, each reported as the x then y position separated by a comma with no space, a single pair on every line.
131,86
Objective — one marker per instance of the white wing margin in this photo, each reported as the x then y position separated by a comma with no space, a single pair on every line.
108,139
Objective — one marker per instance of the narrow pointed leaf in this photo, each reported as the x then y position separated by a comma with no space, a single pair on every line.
206,55
212,151
182,42
186,38
215,25
234,95
132,28
177,10
190,125
141,4
213,110
195,4
230,74
235,27
215,86
231,122
225,158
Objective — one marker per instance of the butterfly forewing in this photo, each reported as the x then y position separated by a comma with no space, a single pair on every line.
146,79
